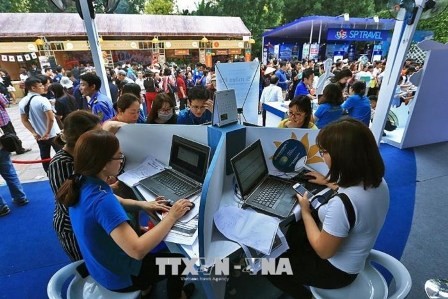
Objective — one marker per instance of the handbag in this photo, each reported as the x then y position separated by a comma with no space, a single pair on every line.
10,142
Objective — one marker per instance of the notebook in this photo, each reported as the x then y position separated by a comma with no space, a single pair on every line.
259,190
186,172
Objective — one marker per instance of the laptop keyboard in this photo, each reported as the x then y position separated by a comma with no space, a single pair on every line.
270,193
172,182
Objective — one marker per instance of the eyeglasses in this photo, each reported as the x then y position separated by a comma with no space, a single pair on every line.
198,107
322,152
121,157
298,114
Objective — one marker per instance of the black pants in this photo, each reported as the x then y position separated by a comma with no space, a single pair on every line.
182,103
45,150
149,274
9,128
308,270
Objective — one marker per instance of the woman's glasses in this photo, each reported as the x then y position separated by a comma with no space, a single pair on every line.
121,157
322,152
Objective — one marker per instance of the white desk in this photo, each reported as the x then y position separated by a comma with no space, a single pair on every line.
275,112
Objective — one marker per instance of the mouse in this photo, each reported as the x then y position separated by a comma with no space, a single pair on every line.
191,208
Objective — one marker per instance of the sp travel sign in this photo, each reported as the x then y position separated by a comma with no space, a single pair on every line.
341,34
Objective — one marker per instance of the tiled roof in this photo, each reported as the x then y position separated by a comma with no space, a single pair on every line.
70,24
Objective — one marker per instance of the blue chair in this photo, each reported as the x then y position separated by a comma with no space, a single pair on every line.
81,287
370,284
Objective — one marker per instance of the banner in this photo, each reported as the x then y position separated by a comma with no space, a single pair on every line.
342,34
305,51
244,78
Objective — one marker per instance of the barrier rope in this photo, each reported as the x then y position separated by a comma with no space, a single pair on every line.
31,161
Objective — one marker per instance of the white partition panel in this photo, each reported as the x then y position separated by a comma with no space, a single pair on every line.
139,140
271,138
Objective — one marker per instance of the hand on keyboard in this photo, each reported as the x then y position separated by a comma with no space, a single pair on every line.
180,208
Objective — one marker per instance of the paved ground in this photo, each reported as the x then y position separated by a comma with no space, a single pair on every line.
27,172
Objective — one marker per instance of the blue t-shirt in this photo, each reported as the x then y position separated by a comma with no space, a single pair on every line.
358,107
101,106
301,90
327,113
281,75
93,218
185,117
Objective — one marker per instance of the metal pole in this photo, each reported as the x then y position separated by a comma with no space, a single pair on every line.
95,48
311,38
320,32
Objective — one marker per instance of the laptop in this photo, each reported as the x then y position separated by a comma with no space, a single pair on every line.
186,172
259,190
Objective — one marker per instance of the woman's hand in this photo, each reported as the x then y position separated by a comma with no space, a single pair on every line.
318,178
160,204
179,208
304,203
321,180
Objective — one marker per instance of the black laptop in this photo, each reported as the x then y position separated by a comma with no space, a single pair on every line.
186,172
259,190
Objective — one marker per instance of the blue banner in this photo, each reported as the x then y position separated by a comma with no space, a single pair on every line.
342,34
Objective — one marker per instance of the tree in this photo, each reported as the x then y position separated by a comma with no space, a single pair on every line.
207,8
296,9
159,7
256,15
438,24
130,7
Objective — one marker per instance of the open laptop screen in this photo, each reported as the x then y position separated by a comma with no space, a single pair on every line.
189,157
250,168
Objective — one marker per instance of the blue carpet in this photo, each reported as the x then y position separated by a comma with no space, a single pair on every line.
401,173
30,252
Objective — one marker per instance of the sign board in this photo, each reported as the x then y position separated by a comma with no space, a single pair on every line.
244,78
343,34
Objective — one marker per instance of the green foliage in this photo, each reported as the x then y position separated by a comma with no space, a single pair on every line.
296,9
25,6
130,7
159,7
438,24
256,14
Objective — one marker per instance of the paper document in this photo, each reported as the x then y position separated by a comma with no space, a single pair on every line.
147,168
247,227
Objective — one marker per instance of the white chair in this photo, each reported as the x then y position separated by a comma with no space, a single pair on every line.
81,287
370,283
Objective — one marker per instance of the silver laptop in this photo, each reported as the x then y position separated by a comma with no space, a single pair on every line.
186,172
259,190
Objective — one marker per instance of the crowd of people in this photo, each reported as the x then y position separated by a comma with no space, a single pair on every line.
348,91
66,111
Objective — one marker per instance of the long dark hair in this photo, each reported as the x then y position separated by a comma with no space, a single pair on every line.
93,150
355,157
157,104
332,95
76,124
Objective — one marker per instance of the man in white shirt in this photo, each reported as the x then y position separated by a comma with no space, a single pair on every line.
271,93
37,116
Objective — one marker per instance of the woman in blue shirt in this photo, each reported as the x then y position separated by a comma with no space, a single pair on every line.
329,106
116,257
358,104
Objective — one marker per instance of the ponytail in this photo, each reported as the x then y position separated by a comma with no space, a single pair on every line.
68,193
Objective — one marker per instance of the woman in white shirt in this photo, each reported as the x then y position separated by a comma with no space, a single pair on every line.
335,250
